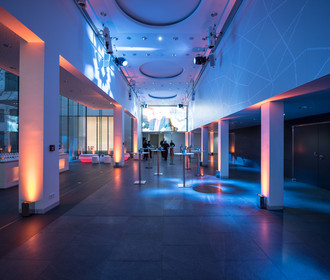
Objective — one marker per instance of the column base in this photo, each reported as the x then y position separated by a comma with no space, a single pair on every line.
118,164
274,207
33,210
217,174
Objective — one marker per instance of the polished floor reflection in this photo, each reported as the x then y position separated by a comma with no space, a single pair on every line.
109,228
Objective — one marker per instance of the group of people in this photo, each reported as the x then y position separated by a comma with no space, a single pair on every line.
163,145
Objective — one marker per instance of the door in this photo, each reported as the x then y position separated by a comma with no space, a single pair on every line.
324,156
305,154
312,154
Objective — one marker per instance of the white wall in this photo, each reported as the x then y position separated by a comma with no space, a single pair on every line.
270,47
61,25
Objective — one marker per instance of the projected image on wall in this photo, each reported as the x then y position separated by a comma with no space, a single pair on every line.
165,118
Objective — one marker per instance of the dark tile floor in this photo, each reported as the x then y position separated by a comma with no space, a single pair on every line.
108,228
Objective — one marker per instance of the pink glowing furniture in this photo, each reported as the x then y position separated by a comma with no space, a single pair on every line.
126,156
86,157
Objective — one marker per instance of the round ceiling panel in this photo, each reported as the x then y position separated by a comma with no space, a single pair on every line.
163,96
161,69
158,13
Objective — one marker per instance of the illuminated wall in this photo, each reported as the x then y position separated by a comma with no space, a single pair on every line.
263,53
66,30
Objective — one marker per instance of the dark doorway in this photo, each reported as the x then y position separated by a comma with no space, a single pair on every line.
311,147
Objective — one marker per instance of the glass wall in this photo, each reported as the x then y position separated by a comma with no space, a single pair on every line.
72,127
84,130
8,112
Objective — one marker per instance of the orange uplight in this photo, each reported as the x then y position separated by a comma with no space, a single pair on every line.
186,140
117,154
93,152
108,152
232,148
264,172
61,163
9,149
211,142
32,190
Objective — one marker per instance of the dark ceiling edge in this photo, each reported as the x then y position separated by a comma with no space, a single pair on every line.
164,24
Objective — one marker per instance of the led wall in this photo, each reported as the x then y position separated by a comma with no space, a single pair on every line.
164,118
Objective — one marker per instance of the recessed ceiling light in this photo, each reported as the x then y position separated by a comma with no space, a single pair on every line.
160,38
144,38
147,54
214,14
103,14
124,54
175,38
191,38
128,38
134,54
173,54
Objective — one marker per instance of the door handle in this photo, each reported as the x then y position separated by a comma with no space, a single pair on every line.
321,157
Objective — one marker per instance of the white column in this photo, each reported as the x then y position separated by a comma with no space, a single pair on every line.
38,127
186,139
118,135
204,146
191,139
135,135
223,148
272,154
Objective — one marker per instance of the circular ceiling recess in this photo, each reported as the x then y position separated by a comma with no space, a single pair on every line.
158,13
162,96
161,69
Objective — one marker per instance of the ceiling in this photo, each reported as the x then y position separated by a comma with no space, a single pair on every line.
160,39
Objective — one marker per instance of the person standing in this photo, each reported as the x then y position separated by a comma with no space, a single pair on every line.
145,149
165,147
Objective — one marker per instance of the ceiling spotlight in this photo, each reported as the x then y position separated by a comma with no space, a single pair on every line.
82,3
175,38
199,60
211,37
130,94
121,61
144,38
107,39
160,38
180,105
212,60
